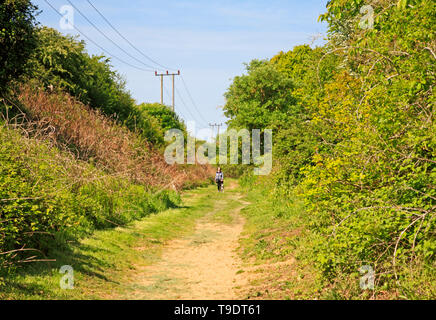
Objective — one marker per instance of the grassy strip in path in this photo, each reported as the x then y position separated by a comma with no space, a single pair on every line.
274,239
104,261
227,204
200,265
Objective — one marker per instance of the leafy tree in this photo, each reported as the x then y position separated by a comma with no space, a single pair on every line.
373,188
260,99
154,120
166,118
62,61
357,138
17,38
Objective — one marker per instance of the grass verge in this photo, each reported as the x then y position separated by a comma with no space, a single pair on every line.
279,241
274,242
103,262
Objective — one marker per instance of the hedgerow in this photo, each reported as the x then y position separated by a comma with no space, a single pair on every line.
354,137
49,197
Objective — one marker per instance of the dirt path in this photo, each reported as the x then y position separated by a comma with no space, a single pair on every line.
203,265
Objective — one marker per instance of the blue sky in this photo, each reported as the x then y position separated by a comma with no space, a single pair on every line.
207,40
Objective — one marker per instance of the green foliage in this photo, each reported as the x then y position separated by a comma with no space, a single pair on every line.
17,38
373,189
259,99
275,234
360,144
156,119
166,118
109,257
62,62
46,196
281,95
234,170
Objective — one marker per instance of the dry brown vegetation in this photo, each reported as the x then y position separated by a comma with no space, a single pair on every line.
89,135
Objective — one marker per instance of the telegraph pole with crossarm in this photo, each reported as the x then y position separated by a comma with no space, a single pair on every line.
218,125
161,75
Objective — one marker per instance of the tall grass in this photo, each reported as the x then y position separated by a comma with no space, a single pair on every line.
91,136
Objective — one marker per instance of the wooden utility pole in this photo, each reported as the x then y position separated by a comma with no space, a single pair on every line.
174,103
161,75
212,126
161,89
218,125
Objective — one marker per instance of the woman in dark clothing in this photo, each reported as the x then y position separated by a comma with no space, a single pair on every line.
219,179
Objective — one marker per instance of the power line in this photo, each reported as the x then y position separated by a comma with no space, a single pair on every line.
178,110
187,108
96,44
104,35
183,102
131,44
180,97
127,63
192,100
161,75
218,125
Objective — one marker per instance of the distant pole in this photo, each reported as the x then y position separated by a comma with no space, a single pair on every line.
161,75
218,136
174,99
161,89
212,126
218,127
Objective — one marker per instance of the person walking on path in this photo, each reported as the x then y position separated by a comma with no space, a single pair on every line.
219,179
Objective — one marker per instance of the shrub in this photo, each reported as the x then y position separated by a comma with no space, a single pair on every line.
17,38
46,195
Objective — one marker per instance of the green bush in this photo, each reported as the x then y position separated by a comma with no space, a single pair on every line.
354,137
47,196
62,62
152,120
17,38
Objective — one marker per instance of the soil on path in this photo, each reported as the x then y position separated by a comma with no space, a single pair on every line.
204,265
